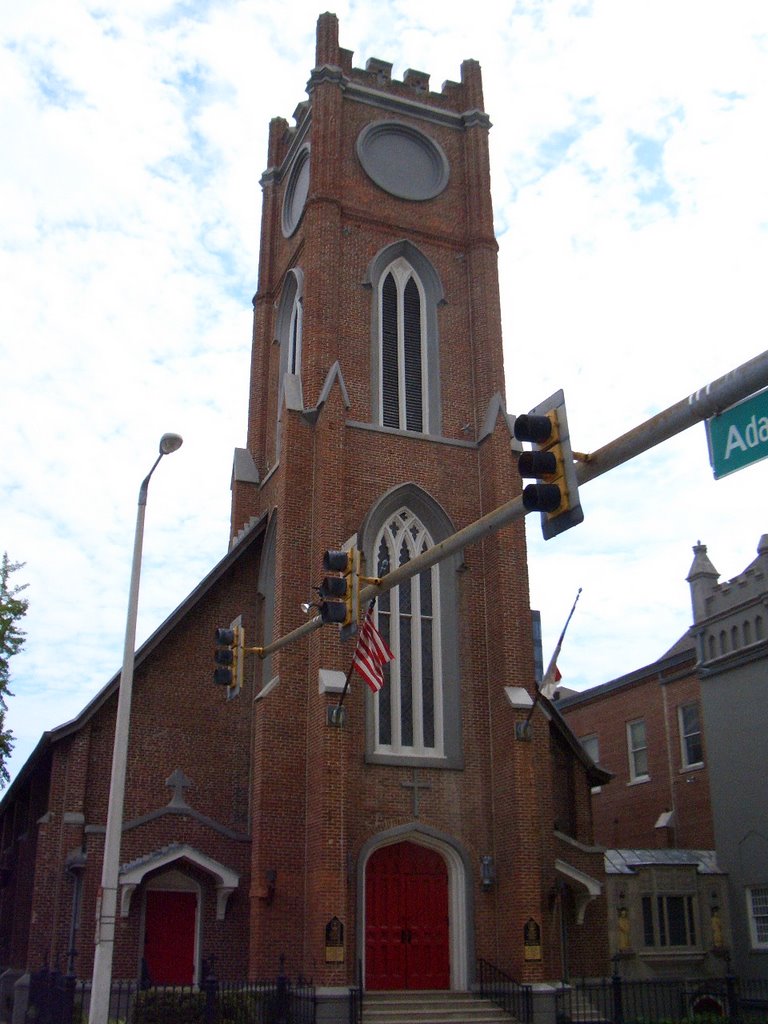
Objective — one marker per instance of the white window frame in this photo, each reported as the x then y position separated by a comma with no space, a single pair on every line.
402,272
415,535
633,749
686,735
757,913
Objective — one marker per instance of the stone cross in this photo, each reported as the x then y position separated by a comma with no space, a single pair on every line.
415,785
178,782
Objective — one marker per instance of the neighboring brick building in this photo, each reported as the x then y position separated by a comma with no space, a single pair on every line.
377,411
685,739
646,729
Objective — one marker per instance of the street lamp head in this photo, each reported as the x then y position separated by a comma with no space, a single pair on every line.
170,443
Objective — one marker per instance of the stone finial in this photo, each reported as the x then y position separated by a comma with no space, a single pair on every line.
701,565
327,49
472,80
762,547
702,578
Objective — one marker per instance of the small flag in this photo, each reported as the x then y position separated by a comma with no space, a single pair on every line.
371,654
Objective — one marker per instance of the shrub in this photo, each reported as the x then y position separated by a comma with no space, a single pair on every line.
169,1007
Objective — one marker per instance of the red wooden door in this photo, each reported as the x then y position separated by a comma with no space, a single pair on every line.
169,937
406,919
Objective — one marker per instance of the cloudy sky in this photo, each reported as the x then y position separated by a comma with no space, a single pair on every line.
630,162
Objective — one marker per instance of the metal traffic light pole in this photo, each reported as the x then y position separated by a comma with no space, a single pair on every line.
708,401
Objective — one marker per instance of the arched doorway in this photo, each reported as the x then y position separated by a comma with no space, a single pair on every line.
407,943
171,929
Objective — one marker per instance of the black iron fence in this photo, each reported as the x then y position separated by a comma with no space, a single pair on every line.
504,991
356,998
616,1000
61,999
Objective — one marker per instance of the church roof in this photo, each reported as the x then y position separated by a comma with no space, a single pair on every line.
672,660
256,530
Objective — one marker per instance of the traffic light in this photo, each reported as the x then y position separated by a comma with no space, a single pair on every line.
338,593
550,461
229,656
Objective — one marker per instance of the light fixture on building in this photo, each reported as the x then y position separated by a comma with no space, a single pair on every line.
487,871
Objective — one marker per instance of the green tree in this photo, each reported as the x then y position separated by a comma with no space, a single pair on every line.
12,610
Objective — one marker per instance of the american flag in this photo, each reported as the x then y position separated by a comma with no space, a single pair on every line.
371,653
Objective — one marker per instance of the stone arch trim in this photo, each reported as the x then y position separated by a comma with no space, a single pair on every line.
289,384
460,893
427,508
292,290
131,875
439,524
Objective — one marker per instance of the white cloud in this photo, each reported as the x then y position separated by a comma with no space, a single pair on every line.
128,255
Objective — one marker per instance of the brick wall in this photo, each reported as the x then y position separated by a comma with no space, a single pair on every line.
626,812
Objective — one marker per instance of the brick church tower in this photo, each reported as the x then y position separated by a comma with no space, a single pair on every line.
420,835
420,829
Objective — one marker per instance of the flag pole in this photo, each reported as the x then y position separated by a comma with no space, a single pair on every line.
552,662
549,675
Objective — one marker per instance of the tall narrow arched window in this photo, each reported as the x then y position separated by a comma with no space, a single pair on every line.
405,370
409,708
403,354
293,357
288,331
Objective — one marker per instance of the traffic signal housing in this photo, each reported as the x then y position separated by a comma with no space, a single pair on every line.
550,462
229,656
338,592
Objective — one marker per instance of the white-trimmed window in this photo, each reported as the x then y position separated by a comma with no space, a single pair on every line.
403,348
757,912
691,748
637,749
408,718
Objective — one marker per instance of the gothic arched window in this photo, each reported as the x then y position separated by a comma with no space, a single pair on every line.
405,370
288,328
403,354
293,355
409,709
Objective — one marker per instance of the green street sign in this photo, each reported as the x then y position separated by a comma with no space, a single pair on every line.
739,436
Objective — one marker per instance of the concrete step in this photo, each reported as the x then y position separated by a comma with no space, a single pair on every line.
431,1008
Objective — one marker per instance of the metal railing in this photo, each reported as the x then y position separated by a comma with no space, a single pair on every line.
504,991
619,1000
356,998
61,999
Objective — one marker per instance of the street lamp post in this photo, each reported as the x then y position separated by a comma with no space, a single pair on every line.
106,913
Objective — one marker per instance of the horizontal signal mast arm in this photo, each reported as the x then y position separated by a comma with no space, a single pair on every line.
740,383
708,401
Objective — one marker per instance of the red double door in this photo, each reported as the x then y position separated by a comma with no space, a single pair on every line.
406,919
